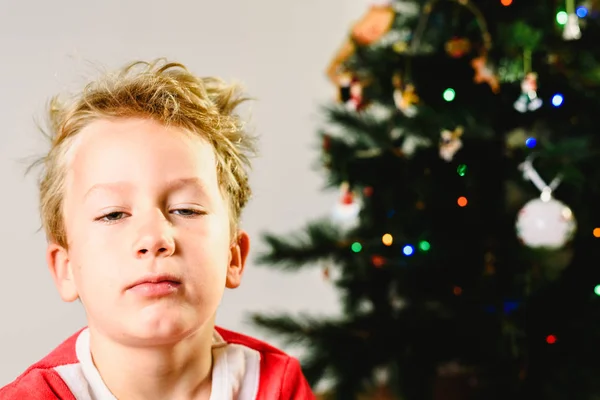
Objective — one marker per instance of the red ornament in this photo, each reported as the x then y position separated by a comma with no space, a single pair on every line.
458,47
347,198
368,191
326,142
551,339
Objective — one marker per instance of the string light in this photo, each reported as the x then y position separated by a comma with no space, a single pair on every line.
424,245
457,290
408,250
551,339
356,247
449,94
557,100
597,290
462,201
387,239
596,232
461,170
378,261
562,17
506,3
581,12
510,306
530,142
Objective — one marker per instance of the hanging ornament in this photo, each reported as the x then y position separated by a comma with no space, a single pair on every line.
405,96
484,73
458,47
375,24
347,209
528,100
571,31
397,302
544,222
450,143
355,100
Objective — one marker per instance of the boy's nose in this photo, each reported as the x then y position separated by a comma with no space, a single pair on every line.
155,239
155,246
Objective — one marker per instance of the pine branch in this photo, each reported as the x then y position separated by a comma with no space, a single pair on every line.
334,345
318,241
293,330
365,129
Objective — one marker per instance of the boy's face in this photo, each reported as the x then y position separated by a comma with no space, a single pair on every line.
141,201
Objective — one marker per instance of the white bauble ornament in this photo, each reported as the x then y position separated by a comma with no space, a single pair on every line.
546,223
346,211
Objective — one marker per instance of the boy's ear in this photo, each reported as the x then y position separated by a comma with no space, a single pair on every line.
57,258
237,260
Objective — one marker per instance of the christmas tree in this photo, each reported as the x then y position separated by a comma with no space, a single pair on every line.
465,246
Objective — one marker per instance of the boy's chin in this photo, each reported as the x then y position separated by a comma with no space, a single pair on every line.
164,331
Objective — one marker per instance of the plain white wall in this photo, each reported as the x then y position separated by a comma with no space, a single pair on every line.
279,49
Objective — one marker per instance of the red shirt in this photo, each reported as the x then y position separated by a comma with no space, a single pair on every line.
245,368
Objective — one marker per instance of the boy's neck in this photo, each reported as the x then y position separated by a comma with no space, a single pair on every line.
181,371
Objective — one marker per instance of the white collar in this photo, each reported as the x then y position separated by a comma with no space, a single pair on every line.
235,373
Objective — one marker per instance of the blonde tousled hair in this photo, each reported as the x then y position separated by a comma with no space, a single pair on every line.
160,90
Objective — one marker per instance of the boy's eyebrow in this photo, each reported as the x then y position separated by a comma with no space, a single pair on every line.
173,185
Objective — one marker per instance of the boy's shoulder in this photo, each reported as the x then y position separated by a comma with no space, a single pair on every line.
232,337
42,380
280,375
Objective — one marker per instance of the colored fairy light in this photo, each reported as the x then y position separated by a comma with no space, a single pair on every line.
424,245
462,201
581,12
597,290
449,94
551,339
557,100
461,170
387,239
596,232
506,3
378,261
562,17
408,250
356,247
530,142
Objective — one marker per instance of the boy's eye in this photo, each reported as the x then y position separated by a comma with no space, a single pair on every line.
186,212
113,216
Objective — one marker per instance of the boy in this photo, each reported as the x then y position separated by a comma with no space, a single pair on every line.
140,199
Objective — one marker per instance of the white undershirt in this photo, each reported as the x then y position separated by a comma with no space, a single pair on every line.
235,373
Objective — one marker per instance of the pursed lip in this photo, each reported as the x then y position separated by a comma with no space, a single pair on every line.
155,278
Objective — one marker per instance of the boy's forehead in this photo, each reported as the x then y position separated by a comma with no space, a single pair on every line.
112,153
